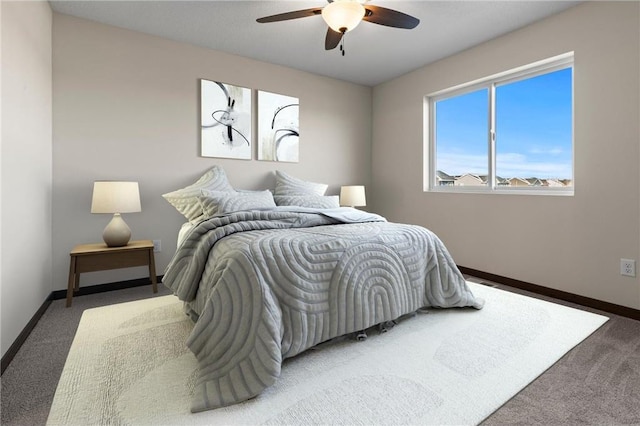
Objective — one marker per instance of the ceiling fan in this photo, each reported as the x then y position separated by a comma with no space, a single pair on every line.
344,15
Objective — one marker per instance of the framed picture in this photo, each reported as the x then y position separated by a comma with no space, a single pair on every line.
226,120
278,128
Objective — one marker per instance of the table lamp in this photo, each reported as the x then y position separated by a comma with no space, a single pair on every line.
116,197
352,196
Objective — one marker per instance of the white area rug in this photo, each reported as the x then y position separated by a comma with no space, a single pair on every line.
128,365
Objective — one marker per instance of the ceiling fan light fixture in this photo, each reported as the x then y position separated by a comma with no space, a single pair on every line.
343,15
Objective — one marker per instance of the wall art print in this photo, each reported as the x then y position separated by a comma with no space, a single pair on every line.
226,120
278,127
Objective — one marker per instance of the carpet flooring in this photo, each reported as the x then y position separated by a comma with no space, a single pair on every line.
456,366
598,382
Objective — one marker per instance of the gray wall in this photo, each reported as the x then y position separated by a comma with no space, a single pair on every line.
126,106
567,243
25,172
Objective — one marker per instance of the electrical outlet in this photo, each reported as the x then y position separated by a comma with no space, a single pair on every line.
628,267
157,246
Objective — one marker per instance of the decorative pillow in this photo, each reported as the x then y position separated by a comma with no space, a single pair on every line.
311,201
217,202
289,185
185,200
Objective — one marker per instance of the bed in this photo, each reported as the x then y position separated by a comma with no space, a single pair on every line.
267,283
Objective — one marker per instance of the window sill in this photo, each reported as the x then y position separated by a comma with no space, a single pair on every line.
564,192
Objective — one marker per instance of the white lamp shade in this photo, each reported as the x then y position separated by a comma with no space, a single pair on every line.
341,14
352,196
115,197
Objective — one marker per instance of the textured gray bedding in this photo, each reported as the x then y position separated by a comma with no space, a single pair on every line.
268,285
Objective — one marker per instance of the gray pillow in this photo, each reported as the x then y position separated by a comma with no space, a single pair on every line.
218,203
185,200
311,201
289,185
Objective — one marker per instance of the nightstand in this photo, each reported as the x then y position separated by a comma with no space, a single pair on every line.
99,257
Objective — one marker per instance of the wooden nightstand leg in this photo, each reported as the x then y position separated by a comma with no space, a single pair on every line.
152,271
72,280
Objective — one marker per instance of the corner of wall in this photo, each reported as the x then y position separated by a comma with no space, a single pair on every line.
27,145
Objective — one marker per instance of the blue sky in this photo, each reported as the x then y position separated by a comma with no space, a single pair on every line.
533,125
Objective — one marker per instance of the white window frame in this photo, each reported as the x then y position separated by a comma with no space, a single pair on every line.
490,83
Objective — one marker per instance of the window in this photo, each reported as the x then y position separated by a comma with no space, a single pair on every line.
512,132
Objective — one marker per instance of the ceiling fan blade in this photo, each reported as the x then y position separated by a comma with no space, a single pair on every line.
332,39
291,15
389,17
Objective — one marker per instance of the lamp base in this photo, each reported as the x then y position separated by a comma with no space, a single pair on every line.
117,233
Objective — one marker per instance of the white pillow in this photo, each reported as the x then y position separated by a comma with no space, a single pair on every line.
185,200
311,201
289,185
218,203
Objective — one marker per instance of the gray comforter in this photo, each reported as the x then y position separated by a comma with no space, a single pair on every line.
267,285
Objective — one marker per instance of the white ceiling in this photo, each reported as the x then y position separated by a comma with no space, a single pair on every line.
374,53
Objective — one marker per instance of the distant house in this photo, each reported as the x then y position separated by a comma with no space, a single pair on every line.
500,181
444,179
535,181
553,183
518,182
469,180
